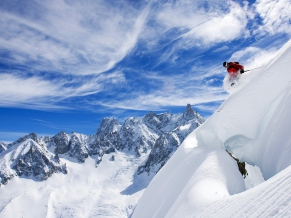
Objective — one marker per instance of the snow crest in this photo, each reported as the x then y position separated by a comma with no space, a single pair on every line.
254,125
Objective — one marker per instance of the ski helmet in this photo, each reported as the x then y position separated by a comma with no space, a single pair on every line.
224,64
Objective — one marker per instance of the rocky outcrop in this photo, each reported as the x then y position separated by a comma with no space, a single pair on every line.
78,147
107,126
168,142
62,142
32,136
74,145
106,138
241,165
164,146
136,136
29,160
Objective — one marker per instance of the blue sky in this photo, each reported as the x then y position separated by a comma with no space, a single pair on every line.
64,65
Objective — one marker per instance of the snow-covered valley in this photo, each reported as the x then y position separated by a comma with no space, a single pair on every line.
85,191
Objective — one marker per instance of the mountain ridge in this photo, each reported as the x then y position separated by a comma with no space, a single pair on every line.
138,136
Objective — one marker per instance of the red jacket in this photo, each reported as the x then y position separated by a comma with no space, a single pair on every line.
234,67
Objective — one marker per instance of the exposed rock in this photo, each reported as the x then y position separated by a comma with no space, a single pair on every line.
78,147
112,158
62,142
105,140
152,121
190,114
75,145
165,145
31,161
168,142
32,136
241,166
107,126
136,136
6,173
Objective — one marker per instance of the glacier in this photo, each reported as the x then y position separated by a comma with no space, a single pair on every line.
253,123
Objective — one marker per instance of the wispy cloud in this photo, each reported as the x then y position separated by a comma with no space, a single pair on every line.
177,90
70,37
189,24
201,87
276,16
39,92
65,49
254,57
42,121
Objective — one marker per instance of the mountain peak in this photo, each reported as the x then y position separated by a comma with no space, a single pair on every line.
32,136
189,113
108,125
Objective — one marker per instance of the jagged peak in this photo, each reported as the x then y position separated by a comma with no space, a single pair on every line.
150,114
61,133
189,113
130,121
152,119
32,136
31,160
108,125
62,136
24,147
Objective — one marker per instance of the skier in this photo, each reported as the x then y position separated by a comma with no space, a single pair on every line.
233,68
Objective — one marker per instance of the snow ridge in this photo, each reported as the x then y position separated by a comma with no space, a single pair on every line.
254,125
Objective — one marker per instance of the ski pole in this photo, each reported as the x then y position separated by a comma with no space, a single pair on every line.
253,68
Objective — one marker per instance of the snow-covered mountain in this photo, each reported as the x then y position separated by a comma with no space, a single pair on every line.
168,142
103,174
253,124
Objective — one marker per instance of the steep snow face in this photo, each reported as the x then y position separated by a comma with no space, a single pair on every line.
253,124
191,180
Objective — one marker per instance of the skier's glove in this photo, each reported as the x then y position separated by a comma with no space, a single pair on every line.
242,71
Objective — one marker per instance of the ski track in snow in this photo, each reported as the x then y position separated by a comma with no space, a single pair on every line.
255,202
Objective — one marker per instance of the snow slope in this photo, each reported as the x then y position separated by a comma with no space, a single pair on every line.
201,180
